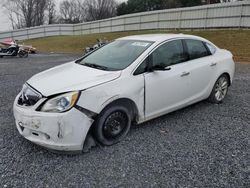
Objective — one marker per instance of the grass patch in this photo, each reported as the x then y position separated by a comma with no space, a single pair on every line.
237,41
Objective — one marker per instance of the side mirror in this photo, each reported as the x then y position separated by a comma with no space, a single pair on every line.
160,68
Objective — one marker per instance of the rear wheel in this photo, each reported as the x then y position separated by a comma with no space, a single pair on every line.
219,90
112,125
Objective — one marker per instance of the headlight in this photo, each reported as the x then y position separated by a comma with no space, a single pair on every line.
61,103
28,97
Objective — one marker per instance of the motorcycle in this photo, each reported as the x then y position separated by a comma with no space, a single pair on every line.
13,50
99,44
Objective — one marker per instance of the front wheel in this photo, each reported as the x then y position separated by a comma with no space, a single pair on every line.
23,54
220,89
112,125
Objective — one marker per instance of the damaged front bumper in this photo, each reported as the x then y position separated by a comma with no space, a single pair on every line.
57,131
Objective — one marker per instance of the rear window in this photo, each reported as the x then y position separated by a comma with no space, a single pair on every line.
196,49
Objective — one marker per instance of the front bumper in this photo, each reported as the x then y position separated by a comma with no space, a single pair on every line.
57,131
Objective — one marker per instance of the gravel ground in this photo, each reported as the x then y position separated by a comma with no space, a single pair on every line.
204,145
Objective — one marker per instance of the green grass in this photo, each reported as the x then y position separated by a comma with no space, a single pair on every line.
237,41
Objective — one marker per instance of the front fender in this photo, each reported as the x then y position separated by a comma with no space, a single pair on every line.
97,98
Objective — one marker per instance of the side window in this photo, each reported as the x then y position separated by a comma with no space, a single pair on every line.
142,68
168,54
211,48
196,49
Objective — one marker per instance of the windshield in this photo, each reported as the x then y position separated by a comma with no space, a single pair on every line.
116,55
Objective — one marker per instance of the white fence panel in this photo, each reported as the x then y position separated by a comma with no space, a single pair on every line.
169,24
246,22
6,35
169,16
246,10
149,25
224,15
149,18
194,14
66,29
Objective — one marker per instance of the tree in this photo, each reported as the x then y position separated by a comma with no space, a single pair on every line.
13,14
100,9
188,3
76,11
211,1
51,7
122,9
40,7
27,13
133,6
72,11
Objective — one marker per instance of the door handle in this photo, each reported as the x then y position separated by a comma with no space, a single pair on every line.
213,64
185,74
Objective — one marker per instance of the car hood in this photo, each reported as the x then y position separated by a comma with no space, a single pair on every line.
69,77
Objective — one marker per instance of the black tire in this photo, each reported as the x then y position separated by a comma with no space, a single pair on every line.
1,56
112,125
213,98
23,54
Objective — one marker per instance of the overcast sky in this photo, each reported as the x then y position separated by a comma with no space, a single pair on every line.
5,23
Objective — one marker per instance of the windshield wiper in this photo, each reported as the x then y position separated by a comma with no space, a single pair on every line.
95,66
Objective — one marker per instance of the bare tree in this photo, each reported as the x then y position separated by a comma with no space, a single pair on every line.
100,9
40,7
51,7
16,18
72,11
26,13
27,8
75,11
29,13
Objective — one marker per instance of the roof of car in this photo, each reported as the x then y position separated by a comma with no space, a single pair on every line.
157,37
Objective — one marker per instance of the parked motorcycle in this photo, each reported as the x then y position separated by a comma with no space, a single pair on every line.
13,50
99,44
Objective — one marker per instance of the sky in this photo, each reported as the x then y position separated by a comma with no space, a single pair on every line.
5,24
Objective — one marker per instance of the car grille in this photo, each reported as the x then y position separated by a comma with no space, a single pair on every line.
28,97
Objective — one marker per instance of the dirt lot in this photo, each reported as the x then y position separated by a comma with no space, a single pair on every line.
204,145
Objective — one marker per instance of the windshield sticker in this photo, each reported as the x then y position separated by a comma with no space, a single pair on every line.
141,44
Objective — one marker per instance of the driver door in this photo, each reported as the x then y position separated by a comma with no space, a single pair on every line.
166,90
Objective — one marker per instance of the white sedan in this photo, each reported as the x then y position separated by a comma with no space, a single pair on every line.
132,79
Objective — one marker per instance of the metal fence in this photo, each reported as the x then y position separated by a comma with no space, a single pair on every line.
224,15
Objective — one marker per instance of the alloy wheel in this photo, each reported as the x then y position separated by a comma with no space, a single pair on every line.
221,88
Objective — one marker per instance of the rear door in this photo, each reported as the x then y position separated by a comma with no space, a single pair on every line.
202,68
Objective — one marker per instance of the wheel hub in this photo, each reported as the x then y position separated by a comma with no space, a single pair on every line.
221,89
114,125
